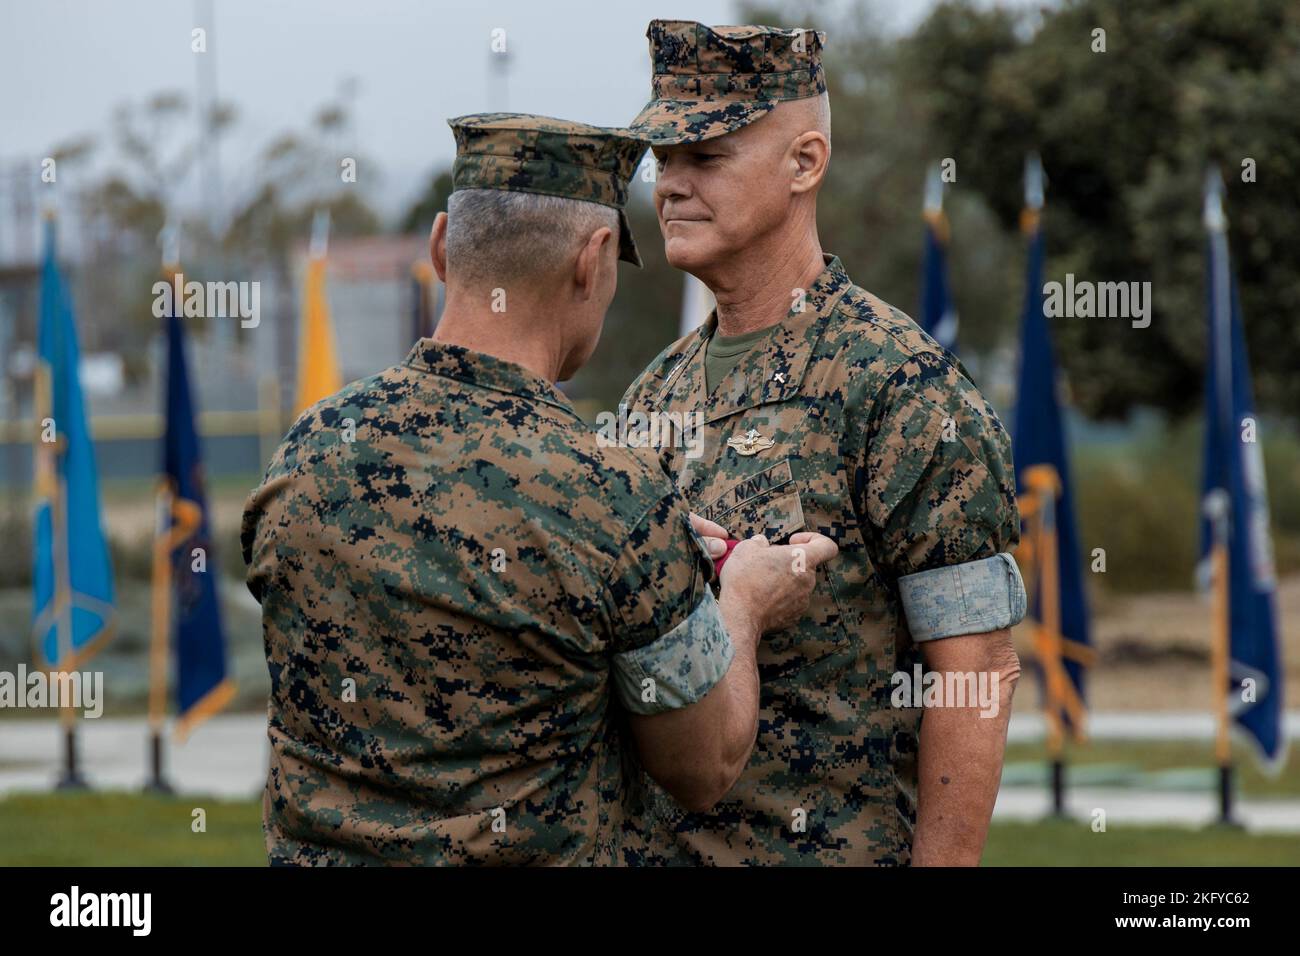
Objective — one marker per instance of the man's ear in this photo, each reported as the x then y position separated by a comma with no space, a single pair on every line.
586,271
811,154
438,246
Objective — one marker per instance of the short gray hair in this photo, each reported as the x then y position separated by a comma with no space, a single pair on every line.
498,235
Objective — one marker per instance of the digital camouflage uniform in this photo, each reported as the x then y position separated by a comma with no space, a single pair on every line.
850,421
451,537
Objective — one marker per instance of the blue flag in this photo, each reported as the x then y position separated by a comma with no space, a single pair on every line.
1235,502
202,686
1039,448
938,314
73,611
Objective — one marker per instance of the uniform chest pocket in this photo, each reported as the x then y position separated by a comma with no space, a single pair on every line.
765,503
769,503
775,517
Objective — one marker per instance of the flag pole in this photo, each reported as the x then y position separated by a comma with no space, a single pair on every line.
1044,487
159,639
1217,505
70,777
933,205
320,234
161,584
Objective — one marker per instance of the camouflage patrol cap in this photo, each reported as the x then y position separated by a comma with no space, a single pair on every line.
709,81
552,157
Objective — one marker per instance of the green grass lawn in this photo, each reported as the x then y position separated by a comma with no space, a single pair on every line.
128,829
124,829
1154,756
1073,843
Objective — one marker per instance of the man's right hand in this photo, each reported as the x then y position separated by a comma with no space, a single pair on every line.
697,752
771,585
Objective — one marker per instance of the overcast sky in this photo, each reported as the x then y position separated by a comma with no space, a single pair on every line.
65,64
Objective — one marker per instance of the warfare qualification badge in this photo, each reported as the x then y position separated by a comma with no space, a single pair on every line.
751,444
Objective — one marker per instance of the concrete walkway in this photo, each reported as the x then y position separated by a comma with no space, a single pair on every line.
1138,725
1147,808
226,757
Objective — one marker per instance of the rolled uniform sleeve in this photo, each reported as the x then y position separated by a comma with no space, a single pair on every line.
936,484
670,646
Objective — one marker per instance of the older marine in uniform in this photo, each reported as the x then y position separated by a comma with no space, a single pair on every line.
826,409
478,620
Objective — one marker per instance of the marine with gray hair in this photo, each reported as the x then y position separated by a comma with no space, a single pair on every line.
481,625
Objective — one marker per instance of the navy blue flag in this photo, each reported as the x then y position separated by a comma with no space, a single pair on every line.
1040,452
938,314
1235,515
202,685
73,610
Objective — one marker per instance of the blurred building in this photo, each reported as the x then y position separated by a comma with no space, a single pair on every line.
371,298
243,378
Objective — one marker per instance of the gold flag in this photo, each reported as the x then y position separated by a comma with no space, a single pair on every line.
319,374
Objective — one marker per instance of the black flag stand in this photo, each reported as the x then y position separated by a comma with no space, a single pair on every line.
1217,511
1058,788
1225,796
71,778
156,782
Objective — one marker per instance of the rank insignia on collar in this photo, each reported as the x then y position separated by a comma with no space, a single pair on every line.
751,444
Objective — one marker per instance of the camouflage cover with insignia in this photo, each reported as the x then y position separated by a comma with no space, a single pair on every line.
521,152
709,81
849,421
462,593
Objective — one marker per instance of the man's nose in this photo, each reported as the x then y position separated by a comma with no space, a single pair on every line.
671,182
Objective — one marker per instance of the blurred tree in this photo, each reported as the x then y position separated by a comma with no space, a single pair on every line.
419,218
298,173
1125,136
123,213
273,196
157,141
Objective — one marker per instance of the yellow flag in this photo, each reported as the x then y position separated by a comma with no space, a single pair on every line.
318,361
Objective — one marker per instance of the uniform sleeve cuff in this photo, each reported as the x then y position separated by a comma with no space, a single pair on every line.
971,598
680,667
